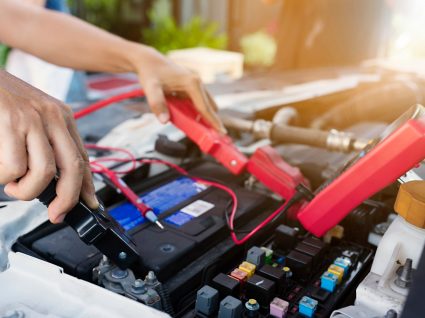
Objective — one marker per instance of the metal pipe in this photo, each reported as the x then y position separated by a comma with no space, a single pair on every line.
299,135
238,124
261,129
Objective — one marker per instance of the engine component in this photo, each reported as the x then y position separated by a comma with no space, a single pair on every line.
405,237
50,292
307,306
248,268
152,282
230,307
252,308
404,275
386,286
207,300
286,237
332,140
328,281
226,285
256,256
261,289
123,282
278,308
272,290
275,274
285,115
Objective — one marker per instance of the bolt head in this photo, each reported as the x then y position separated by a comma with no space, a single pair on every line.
138,286
119,273
122,255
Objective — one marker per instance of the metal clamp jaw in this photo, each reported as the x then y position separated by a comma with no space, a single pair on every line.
95,228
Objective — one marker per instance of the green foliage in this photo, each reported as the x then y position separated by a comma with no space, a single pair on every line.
101,13
4,51
165,35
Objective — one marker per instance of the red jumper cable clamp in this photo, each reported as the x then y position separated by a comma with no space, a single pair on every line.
266,165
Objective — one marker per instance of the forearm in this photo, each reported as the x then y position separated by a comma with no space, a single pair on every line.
64,40
67,41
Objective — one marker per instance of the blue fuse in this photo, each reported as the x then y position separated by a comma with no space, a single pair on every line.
307,306
328,281
281,260
344,263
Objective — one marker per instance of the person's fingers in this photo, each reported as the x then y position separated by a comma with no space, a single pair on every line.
41,164
13,155
69,163
88,193
156,100
202,104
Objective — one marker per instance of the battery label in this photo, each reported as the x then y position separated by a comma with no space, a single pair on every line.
160,200
178,219
197,208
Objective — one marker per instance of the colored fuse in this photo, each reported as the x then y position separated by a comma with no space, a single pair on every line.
248,268
281,260
328,281
307,306
256,256
338,271
343,263
269,255
275,265
278,308
240,275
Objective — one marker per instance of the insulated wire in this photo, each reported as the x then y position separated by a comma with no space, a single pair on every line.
99,168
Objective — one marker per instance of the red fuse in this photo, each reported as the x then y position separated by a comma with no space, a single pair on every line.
240,275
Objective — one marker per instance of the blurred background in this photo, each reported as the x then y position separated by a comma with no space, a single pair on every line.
334,63
304,33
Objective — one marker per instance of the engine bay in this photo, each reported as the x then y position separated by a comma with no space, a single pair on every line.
205,262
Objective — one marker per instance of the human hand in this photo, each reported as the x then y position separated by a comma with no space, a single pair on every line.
38,139
159,76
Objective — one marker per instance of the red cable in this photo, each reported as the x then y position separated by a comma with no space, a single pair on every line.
124,188
132,158
139,93
106,102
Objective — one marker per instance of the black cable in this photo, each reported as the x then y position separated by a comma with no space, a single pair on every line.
302,193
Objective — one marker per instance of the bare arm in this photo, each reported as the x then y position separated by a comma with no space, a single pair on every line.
62,39
67,41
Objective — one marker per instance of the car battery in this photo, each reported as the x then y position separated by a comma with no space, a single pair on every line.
192,213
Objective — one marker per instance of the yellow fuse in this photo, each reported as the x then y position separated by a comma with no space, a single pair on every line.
248,268
338,271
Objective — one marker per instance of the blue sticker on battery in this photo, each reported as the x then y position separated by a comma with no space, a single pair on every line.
178,219
160,200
